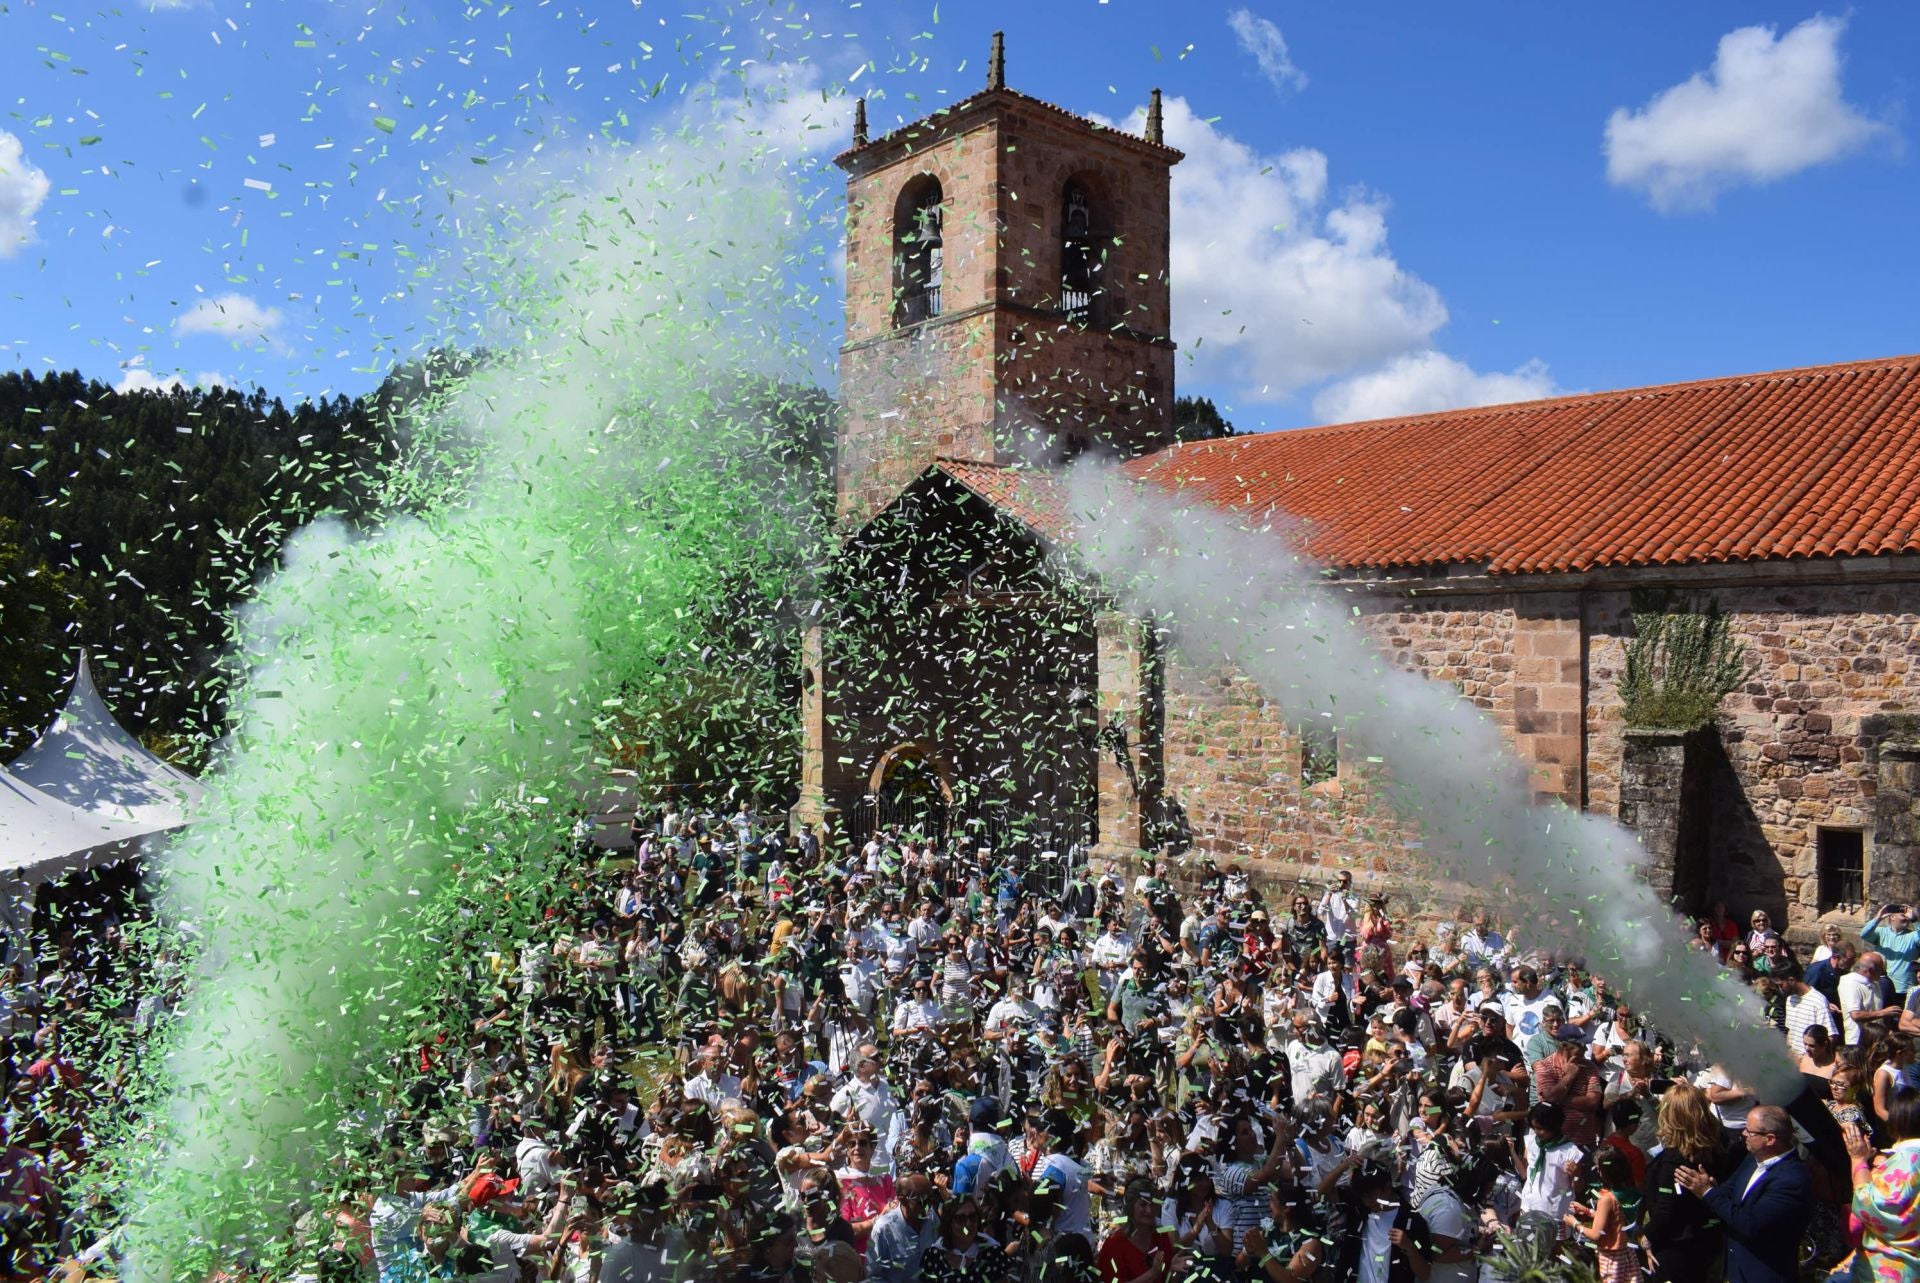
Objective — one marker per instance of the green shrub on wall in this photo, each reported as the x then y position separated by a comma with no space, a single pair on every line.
1680,664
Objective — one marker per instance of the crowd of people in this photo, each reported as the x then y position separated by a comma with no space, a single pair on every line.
748,1055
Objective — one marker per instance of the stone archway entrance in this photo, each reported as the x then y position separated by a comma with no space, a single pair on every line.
910,791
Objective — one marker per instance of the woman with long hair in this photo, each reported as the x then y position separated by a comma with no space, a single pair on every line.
1611,1224
1895,1071
1684,1241
863,1195
1376,931
1843,1097
1116,1157
1819,1058
1136,1245
1740,961
1287,1246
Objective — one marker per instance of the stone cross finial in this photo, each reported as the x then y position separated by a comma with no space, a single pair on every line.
997,63
1156,132
859,122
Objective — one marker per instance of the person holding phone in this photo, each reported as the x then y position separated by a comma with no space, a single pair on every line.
1892,935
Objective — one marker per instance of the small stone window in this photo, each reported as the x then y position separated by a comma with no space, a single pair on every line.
1842,856
918,252
1319,752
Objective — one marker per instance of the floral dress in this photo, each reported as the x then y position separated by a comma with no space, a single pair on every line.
1887,1211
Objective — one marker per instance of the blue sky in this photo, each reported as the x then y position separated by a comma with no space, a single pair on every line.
1384,208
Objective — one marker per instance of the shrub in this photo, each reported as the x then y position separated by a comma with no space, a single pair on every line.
1680,665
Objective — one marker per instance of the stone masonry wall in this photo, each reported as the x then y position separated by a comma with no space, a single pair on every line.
1796,747
1001,359
909,400
1825,660
1234,764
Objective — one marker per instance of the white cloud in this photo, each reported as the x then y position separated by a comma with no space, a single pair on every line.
1423,382
787,107
1268,47
1277,287
234,317
136,377
1770,106
23,189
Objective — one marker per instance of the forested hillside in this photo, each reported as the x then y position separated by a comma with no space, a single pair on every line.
129,522
132,522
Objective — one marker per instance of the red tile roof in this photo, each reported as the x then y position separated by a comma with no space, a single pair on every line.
1815,462
1029,495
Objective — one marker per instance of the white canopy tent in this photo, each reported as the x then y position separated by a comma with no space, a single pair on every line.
85,794
42,837
90,761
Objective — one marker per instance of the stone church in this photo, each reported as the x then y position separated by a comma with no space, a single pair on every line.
1007,307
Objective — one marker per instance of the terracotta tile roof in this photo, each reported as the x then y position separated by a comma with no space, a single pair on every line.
1033,497
1815,462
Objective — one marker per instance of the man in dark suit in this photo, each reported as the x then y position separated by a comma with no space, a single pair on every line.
1764,1204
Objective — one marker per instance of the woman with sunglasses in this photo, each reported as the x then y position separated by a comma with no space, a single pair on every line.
960,1253
1740,961
863,1196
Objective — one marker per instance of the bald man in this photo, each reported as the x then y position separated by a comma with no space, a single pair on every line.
1764,1204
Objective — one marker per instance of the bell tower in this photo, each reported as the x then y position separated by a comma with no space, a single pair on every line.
1007,293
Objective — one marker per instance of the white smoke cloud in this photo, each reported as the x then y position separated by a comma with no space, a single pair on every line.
1245,595
790,108
1769,107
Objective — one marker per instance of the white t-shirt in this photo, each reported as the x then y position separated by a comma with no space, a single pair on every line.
1546,1187
1524,1014
1215,1237
1376,1247
1317,1071
1804,1011
1009,1013
1733,1113
1323,991
1336,911
1321,1162
1112,950
901,951
1856,994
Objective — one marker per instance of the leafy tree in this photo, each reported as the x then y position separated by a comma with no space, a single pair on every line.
37,605
152,511
1196,418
